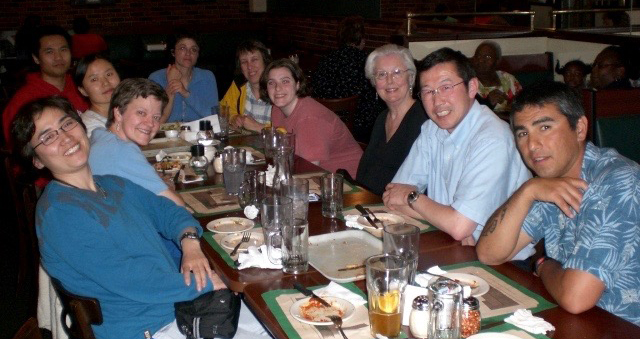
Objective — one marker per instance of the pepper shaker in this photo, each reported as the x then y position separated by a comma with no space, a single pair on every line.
470,317
419,318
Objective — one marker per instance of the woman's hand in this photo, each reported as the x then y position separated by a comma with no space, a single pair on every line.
237,121
193,260
173,73
251,124
176,86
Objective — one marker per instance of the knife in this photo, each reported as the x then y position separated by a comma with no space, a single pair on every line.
366,215
309,293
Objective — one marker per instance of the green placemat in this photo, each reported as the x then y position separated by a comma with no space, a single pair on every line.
543,304
428,228
208,236
509,327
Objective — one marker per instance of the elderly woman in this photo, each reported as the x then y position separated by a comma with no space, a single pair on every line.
246,109
391,70
496,88
134,118
96,78
321,137
192,91
101,236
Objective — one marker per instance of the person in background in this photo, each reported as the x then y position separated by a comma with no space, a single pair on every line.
192,91
97,79
51,51
83,42
609,69
574,73
246,109
391,70
100,235
584,202
465,157
341,74
321,137
25,35
496,89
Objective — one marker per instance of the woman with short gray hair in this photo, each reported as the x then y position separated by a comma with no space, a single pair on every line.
392,72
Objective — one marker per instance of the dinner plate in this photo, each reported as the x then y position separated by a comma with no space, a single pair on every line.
183,157
387,218
230,241
159,140
345,305
493,335
230,225
466,280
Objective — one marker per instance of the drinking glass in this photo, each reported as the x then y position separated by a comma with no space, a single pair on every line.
223,120
446,311
403,240
298,190
331,189
234,161
275,213
252,190
387,276
288,140
270,140
295,247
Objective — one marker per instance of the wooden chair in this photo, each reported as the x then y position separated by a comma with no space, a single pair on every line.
29,330
83,312
345,108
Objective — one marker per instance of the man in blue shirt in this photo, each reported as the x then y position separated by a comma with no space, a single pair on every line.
465,156
585,203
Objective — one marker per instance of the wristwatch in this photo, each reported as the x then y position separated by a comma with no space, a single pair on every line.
412,197
189,235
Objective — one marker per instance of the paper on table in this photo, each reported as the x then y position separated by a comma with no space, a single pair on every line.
336,290
383,209
256,257
526,321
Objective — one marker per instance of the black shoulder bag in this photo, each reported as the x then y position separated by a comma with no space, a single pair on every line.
214,314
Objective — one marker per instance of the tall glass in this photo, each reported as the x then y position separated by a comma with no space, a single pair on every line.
295,247
387,276
288,140
253,188
234,161
270,141
403,240
275,214
331,189
223,119
298,190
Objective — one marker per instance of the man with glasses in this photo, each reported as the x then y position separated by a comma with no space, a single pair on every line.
465,158
51,51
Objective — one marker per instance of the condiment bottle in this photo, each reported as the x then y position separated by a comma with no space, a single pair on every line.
198,161
419,317
470,317
205,136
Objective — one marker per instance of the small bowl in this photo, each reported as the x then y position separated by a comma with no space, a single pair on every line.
172,133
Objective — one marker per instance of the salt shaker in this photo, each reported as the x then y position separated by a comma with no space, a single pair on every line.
470,317
419,318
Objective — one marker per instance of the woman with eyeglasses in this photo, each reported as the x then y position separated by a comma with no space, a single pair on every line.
321,137
392,72
192,91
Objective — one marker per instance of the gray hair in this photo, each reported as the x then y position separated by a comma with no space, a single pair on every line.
390,49
496,47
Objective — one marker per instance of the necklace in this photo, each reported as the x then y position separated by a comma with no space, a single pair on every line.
100,189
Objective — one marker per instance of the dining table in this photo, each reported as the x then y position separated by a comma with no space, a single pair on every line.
436,248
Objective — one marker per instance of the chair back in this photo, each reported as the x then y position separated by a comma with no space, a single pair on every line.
345,108
620,133
29,330
83,312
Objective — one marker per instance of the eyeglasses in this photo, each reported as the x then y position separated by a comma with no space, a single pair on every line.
51,136
443,90
395,74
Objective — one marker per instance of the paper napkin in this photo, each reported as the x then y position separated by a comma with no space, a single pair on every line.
257,257
526,321
335,290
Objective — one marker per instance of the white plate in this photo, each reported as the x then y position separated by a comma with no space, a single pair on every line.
344,305
158,140
231,240
387,218
467,279
230,225
493,335
183,157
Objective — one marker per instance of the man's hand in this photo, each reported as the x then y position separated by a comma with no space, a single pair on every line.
566,193
193,260
395,195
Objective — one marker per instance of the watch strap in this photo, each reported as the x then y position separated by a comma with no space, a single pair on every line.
189,235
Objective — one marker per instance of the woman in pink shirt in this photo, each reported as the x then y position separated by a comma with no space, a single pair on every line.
321,137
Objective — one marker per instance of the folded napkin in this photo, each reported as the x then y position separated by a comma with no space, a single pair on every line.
335,290
161,155
270,173
251,212
526,321
422,279
257,257
352,221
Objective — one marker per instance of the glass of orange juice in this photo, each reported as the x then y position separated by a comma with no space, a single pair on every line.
387,276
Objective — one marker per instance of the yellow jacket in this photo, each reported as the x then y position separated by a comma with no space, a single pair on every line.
235,99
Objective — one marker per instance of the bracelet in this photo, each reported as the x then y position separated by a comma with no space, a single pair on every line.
538,263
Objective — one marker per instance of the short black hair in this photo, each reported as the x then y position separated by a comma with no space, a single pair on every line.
83,65
48,30
586,69
132,88
296,72
446,54
550,92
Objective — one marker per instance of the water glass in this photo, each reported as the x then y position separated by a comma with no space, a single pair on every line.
298,190
288,140
446,312
223,120
270,141
253,188
295,247
331,189
403,240
234,161
387,276
275,213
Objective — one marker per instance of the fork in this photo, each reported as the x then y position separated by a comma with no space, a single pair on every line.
375,219
338,322
245,238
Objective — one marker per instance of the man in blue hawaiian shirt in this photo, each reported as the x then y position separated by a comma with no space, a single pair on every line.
585,203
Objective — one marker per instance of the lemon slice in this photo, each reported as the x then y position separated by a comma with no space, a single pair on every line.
388,302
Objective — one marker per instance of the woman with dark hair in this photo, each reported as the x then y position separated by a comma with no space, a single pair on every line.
341,74
321,137
610,69
96,79
574,73
246,109
192,91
